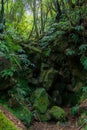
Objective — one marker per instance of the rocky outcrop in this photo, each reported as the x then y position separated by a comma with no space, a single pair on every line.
40,100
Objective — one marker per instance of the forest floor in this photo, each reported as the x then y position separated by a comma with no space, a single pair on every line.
52,126
70,125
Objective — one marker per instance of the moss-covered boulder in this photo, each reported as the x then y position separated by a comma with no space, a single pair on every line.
57,113
40,100
5,123
24,114
44,117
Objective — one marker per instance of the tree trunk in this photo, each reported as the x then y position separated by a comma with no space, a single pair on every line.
35,18
42,22
58,10
2,22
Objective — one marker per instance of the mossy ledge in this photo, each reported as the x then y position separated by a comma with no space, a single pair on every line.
5,123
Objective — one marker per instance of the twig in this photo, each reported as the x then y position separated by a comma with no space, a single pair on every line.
81,126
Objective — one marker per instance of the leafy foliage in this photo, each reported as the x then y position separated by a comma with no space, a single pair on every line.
84,61
70,52
75,110
19,94
84,93
83,48
8,72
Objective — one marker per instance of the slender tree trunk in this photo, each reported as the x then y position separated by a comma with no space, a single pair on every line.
31,32
35,18
58,10
2,11
42,22
2,22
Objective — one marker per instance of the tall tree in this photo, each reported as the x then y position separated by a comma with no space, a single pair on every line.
2,19
57,9
41,11
35,17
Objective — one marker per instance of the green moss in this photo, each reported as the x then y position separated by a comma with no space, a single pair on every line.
58,113
44,117
24,114
5,123
85,127
40,100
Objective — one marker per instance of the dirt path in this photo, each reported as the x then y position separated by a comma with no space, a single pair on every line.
52,126
70,125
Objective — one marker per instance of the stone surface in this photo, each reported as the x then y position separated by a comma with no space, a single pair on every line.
40,100
57,113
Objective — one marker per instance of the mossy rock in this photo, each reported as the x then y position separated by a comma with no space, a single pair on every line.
58,113
24,114
40,100
44,117
5,123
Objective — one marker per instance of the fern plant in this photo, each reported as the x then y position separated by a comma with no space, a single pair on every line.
8,72
8,51
79,28
20,93
83,61
70,52
84,93
83,48
74,110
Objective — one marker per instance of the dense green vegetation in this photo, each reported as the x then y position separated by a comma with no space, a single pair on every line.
43,58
